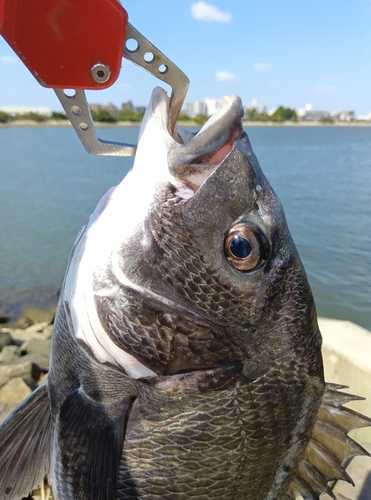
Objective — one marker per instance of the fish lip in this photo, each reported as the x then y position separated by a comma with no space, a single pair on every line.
212,135
193,160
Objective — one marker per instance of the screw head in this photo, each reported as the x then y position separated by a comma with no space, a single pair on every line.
100,73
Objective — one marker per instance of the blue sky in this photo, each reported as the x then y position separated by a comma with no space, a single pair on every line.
289,52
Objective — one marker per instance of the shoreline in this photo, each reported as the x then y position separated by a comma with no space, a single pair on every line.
190,123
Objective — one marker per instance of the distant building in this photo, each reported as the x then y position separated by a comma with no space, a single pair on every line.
207,107
312,115
127,105
114,110
111,108
309,114
196,108
140,109
300,113
346,116
366,118
212,105
24,110
255,106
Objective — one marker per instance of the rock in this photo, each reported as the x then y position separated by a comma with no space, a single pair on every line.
32,332
37,345
47,332
39,316
24,369
41,362
5,410
20,324
42,379
37,328
15,391
5,338
10,354
4,316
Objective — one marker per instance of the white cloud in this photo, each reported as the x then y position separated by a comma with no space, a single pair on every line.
207,12
225,76
261,67
8,60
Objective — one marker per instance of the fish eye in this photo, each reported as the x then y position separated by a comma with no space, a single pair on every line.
246,247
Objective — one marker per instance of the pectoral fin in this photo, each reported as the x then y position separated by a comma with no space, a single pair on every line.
90,438
25,439
330,448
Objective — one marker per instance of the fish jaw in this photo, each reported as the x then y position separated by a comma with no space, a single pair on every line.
186,164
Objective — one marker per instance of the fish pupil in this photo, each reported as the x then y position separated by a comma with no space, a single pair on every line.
240,247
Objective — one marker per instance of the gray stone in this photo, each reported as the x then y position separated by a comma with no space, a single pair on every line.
15,391
5,410
19,324
37,345
41,361
24,369
10,354
32,332
4,315
48,331
5,338
42,379
39,316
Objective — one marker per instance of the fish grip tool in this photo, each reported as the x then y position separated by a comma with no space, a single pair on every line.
72,46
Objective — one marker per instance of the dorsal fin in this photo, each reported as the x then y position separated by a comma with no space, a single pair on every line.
330,449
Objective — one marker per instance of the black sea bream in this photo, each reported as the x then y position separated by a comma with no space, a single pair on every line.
186,358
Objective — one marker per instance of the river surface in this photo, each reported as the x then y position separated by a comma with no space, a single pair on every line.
49,185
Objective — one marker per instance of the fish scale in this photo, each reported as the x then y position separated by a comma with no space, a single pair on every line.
181,366
165,343
223,439
242,416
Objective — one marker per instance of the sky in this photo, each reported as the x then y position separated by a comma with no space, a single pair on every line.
277,52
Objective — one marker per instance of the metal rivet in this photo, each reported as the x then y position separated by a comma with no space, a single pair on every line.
76,110
100,73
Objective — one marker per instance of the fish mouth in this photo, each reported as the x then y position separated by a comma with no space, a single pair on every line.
196,157
190,159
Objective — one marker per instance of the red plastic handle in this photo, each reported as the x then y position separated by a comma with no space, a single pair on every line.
76,44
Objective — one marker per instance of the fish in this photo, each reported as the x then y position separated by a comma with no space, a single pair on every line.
186,354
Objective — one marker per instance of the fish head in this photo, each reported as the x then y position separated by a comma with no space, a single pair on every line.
195,229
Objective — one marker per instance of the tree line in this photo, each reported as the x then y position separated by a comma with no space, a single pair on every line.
281,114
102,115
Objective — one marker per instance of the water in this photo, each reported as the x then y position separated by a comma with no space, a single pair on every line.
49,186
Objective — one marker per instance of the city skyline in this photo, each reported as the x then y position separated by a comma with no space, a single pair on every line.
279,52
206,107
